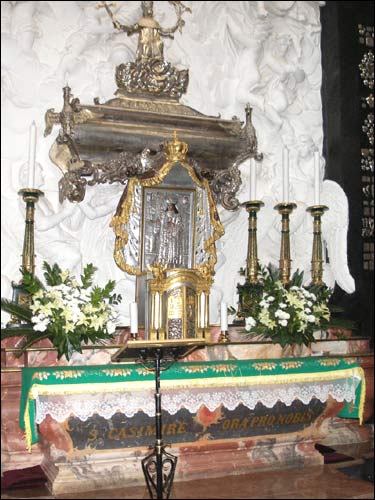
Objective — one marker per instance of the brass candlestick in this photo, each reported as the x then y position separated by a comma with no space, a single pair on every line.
30,197
224,337
252,207
285,209
317,255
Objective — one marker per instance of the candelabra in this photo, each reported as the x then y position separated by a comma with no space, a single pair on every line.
285,209
30,197
252,208
317,257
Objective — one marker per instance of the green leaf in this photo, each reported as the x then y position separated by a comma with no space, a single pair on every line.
20,312
297,278
52,274
16,331
88,274
109,287
30,282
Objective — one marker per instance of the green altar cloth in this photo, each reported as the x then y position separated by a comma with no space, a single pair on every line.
132,377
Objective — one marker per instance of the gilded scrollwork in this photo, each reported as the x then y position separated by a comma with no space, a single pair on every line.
175,152
72,185
154,77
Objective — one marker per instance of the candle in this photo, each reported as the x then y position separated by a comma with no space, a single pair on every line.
32,147
203,310
157,315
253,180
285,175
133,317
316,178
223,317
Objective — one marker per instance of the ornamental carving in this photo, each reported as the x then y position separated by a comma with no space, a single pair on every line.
155,77
150,74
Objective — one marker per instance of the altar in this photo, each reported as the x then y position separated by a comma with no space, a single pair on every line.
96,422
191,192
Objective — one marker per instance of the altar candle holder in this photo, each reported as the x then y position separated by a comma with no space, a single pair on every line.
316,212
285,209
30,196
224,337
252,207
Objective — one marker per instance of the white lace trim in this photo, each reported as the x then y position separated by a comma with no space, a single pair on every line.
129,403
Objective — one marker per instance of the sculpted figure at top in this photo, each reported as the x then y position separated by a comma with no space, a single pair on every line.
150,44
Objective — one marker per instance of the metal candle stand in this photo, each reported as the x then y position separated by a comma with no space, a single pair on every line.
159,466
285,209
317,255
20,296
252,208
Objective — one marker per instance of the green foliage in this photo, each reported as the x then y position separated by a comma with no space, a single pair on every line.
287,315
88,276
21,312
66,312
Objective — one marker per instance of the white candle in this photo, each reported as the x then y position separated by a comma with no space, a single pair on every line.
316,178
203,310
253,180
223,317
133,317
32,148
285,175
157,315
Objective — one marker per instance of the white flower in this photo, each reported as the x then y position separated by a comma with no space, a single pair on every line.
270,298
111,327
283,322
310,318
40,325
282,314
249,323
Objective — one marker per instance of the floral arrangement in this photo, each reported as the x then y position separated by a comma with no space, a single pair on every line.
65,311
287,315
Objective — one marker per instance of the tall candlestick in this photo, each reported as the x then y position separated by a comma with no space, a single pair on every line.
316,178
133,317
285,174
32,148
223,317
253,180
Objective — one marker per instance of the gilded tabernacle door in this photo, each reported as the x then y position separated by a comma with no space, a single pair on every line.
166,226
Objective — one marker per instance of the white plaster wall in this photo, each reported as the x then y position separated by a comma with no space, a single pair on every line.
264,53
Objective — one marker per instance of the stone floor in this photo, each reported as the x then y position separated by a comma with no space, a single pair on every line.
317,482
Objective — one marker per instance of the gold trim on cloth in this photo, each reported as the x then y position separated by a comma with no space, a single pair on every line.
191,383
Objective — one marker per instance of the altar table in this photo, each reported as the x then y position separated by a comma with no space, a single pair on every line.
83,391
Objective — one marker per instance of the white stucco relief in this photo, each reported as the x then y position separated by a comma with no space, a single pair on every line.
264,53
